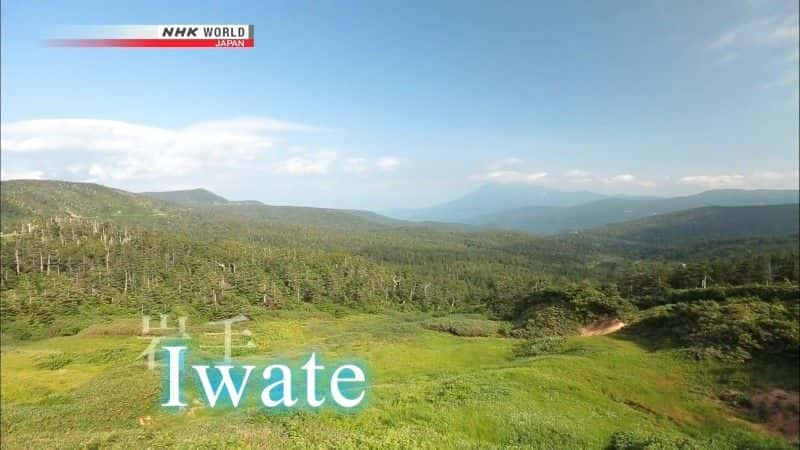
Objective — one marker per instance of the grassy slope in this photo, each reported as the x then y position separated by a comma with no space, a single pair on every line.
429,390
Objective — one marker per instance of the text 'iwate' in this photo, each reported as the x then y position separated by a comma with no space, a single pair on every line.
345,383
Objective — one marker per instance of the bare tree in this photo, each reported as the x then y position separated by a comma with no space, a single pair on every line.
396,279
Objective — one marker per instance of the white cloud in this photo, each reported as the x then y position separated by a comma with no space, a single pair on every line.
629,182
624,178
746,40
572,177
318,163
629,179
770,30
22,175
511,176
773,176
110,150
127,154
761,179
576,173
714,181
246,135
502,171
578,176
387,163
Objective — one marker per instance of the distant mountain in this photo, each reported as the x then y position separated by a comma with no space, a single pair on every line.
21,200
188,197
615,210
207,201
712,223
298,215
494,198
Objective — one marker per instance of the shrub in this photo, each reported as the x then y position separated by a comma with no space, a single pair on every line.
538,347
628,440
505,329
560,312
773,294
735,330
549,321
631,440
55,361
468,327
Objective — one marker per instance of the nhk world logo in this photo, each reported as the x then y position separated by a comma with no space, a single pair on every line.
159,36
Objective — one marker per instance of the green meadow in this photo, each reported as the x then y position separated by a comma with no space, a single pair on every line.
426,389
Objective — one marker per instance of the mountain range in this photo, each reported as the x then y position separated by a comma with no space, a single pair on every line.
494,199
716,214
549,211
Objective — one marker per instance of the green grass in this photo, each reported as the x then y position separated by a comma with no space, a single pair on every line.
429,389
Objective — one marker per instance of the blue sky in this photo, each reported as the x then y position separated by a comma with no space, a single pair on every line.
401,104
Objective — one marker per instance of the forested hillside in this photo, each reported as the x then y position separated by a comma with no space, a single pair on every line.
666,233
86,246
34,198
22,200
216,260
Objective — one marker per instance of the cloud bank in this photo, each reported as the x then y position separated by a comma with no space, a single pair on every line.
504,172
111,151
762,179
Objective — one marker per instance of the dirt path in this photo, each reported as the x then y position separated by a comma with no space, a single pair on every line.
602,327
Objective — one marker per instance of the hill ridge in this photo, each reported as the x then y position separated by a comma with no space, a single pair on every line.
187,196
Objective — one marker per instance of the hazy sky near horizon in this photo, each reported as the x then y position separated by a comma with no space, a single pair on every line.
405,104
